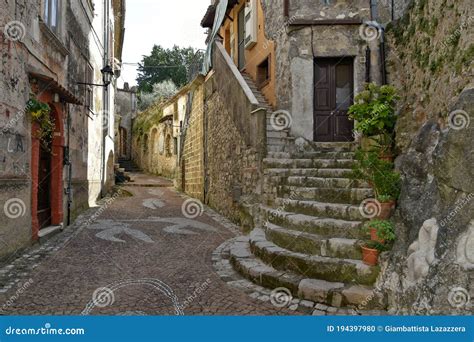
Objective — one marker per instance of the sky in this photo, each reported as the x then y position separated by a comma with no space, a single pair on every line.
160,22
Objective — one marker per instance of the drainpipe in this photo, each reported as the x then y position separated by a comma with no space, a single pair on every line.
381,30
105,99
383,63
367,64
69,165
378,57
393,10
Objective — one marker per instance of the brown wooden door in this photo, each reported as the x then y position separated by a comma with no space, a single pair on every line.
44,188
333,95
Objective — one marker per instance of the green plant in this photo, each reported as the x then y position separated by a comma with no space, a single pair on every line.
386,183
384,198
378,173
385,229
376,245
374,110
41,114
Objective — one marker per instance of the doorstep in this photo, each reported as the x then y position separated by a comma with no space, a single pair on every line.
48,232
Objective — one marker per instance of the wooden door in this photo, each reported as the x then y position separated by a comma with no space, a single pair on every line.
333,95
44,188
241,38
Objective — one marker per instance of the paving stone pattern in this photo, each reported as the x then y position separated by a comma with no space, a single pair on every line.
84,271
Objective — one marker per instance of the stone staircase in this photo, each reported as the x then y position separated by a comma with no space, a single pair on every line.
123,170
309,239
278,140
129,165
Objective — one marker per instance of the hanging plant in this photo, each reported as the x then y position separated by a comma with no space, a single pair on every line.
40,113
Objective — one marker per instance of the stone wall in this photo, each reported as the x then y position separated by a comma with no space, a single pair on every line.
126,108
431,268
233,167
191,171
163,159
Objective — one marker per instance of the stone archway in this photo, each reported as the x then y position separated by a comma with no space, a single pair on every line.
153,149
123,147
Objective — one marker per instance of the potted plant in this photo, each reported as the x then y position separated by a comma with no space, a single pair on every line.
374,110
382,231
371,251
379,174
386,185
40,114
383,146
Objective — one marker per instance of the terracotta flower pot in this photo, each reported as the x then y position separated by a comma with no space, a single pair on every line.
370,256
387,156
386,209
374,237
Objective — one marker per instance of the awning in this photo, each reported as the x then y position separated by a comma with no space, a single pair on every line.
50,84
208,19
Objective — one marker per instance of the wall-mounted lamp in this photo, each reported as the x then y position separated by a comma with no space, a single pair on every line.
107,77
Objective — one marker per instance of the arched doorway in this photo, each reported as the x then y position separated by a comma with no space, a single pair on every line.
154,149
47,172
123,150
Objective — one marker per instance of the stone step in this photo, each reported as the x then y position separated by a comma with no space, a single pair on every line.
322,292
321,182
330,195
332,173
277,148
271,129
279,141
335,146
312,266
323,155
324,226
313,244
283,155
315,155
308,163
277,134
321,209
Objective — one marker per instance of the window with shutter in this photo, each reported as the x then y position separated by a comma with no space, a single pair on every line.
251,23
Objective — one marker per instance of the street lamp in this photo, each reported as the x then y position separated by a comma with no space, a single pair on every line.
107,77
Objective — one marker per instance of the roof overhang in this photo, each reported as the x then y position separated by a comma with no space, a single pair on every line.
47,83
208,19
119,27
166,118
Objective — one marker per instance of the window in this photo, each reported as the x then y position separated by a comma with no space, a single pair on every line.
168,146
134,102
51,14
251,23
263,72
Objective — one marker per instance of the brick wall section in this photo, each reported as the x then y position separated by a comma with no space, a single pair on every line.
232,167
193,151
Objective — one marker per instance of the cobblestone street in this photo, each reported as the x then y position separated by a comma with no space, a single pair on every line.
136,255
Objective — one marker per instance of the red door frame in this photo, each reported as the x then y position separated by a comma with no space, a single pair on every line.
57,151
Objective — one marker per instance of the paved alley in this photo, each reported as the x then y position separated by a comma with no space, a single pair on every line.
147,251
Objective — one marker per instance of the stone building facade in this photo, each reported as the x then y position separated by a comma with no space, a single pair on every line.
125,112
47,53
